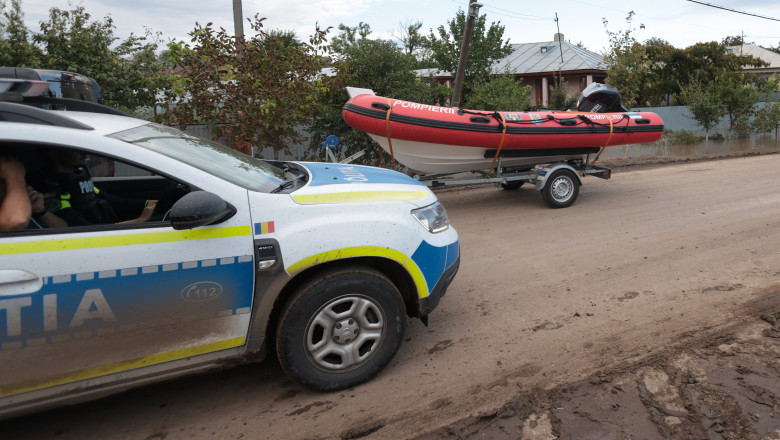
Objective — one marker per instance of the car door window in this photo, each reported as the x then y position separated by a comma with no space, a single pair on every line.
95,191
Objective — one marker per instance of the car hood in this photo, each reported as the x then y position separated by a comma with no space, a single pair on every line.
344,183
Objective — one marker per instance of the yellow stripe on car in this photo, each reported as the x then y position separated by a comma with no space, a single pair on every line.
102,370
362,251
361,196
63,244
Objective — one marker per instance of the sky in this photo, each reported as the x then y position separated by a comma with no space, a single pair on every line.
680,22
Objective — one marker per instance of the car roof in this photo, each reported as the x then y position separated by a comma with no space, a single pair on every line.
103,124
99,123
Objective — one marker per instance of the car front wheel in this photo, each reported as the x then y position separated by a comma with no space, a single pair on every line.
340,329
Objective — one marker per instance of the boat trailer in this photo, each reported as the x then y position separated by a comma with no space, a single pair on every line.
558,182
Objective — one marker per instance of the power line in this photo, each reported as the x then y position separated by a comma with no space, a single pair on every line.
510,14
733,10
517,14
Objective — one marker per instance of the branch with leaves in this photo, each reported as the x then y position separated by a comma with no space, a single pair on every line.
250,90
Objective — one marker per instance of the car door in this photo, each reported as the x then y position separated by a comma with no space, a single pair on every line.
83,308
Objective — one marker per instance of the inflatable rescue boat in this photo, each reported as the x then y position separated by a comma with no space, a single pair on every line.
443,140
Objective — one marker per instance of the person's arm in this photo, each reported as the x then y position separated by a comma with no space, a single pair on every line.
15,210
146,213
40,213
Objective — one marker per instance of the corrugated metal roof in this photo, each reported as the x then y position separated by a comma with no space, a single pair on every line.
546,57
425,73
757,52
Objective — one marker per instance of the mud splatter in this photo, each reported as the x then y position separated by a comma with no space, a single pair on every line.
289,394
628,295
722,288
440,346
547,325
363,430
326,404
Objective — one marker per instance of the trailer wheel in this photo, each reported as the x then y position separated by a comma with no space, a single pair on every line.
515,184
561,189
340,329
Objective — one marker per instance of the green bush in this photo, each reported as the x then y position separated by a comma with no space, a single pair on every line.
716,137
683,137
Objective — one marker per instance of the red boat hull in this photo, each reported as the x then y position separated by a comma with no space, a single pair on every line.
517,134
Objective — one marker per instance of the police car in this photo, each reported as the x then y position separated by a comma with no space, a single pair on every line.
320,262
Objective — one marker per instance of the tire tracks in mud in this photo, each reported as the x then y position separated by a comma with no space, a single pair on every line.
723,383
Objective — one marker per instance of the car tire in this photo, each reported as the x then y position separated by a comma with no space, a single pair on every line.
340,329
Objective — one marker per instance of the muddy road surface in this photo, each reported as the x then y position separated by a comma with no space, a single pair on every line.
648,309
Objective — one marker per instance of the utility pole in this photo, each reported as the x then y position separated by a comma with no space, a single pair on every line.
741,43
238,18
560,43
473,12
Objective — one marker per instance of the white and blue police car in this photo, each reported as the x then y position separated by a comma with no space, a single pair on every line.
321,262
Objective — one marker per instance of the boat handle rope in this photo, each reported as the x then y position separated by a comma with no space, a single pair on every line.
577,120
500,144
609,138
623,117
387,127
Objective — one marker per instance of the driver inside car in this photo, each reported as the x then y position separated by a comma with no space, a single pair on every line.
72,195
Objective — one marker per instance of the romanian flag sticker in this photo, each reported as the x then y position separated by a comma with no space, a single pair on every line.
264,228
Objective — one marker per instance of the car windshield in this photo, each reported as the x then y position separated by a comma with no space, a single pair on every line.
228,164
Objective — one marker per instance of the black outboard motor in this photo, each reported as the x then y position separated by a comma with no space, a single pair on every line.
600,98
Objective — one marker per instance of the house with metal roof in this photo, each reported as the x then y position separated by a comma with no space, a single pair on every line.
773,58
537,64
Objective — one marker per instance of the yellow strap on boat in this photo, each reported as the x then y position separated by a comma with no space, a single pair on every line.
500,144
387,126
605,145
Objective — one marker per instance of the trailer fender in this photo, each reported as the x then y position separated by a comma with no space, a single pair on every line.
549,170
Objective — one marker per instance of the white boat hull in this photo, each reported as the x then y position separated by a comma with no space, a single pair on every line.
449,159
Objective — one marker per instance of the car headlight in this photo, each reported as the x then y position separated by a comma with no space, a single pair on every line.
432,217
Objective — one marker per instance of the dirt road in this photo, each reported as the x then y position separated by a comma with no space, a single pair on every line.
648,309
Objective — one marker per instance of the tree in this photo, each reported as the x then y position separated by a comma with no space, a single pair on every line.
501,93
349,36
705,104
735,40
625,60
72,41
410,37
141,74
486,47
706,61
767,118
286,38
667,68
739,99
129,73
379,65
559,98
660,83
247,90
16,48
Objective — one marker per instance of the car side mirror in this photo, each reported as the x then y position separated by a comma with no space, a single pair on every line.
199,208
